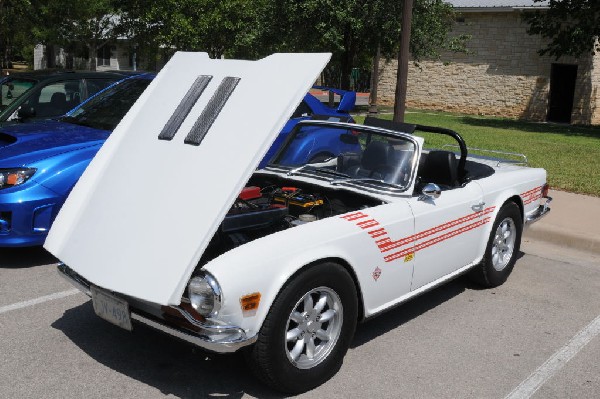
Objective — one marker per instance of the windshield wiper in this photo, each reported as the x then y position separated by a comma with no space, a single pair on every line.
298,169
332,172
362,179
316,170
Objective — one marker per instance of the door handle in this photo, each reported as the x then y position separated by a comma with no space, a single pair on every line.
478,207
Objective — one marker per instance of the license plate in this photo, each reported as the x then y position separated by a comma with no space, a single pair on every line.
111,308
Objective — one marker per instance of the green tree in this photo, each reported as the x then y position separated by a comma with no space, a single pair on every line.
74,23
352,30
221,28
14,26
571,26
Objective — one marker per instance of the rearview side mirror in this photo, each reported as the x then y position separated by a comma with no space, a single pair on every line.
430,191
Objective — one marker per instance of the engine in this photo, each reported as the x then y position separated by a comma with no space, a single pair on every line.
266,207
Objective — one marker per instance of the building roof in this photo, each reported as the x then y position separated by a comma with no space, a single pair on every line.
498,4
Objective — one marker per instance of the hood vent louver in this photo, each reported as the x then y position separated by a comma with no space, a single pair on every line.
6,139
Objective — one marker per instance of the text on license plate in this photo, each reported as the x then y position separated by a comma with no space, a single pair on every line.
111,308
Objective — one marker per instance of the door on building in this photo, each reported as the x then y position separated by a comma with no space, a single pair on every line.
562,92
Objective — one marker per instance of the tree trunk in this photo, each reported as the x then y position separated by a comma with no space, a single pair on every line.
345,70
347,61
402,75
374,82
93,56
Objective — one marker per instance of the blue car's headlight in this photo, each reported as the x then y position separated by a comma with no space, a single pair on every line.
14,177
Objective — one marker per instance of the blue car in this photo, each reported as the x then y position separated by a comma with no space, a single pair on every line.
40,162
313,150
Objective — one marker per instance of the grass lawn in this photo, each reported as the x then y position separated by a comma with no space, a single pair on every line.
570,154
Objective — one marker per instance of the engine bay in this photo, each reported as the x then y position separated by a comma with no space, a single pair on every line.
271,204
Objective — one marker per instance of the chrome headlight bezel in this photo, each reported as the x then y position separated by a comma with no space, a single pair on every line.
205,295
15,177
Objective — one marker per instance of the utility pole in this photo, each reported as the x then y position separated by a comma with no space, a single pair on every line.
402,75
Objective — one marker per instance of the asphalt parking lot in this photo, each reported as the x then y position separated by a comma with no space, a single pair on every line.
536,336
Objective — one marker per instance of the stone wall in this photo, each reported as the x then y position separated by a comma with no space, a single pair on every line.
502,74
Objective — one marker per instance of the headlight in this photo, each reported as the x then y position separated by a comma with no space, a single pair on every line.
14,177
205,295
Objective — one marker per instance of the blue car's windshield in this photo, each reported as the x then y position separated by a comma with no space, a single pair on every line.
107,109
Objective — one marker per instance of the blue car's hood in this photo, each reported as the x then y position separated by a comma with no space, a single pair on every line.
21,145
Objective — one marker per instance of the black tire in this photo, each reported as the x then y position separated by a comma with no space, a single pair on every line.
497,263
270,357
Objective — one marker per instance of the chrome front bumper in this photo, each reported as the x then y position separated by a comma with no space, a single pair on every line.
539,213
210,336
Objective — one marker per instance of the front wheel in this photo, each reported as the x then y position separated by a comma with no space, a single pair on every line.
307,332
502,248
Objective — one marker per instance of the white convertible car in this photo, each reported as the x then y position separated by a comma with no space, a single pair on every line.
172,226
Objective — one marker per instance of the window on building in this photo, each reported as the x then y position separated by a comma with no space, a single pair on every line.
104,55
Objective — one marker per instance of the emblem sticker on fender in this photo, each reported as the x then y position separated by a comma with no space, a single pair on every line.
409,257
376,273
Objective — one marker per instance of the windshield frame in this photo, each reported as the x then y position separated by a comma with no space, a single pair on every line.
77,116
370,185
9,108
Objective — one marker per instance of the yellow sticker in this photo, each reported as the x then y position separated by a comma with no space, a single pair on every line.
409,257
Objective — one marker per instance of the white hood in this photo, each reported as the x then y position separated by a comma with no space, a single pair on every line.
140,217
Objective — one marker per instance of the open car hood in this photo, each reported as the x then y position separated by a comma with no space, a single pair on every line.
140,217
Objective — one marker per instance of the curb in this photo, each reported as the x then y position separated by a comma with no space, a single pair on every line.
568,239
572,222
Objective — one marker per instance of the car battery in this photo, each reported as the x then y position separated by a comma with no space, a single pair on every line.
297,202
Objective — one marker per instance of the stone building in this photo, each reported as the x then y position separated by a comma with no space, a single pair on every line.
502,74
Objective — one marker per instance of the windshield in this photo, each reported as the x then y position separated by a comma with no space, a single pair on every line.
13,88
107,109
348,154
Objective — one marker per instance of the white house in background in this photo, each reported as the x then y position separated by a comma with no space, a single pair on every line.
110,56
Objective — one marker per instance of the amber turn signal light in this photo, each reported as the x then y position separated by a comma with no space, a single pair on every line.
250,301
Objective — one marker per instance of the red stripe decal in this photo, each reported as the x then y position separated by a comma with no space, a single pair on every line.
532,195
377,232
365,224
354,216
435,240
387,244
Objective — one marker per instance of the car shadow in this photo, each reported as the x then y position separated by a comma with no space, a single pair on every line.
394,318
180,369
22,258
169,365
